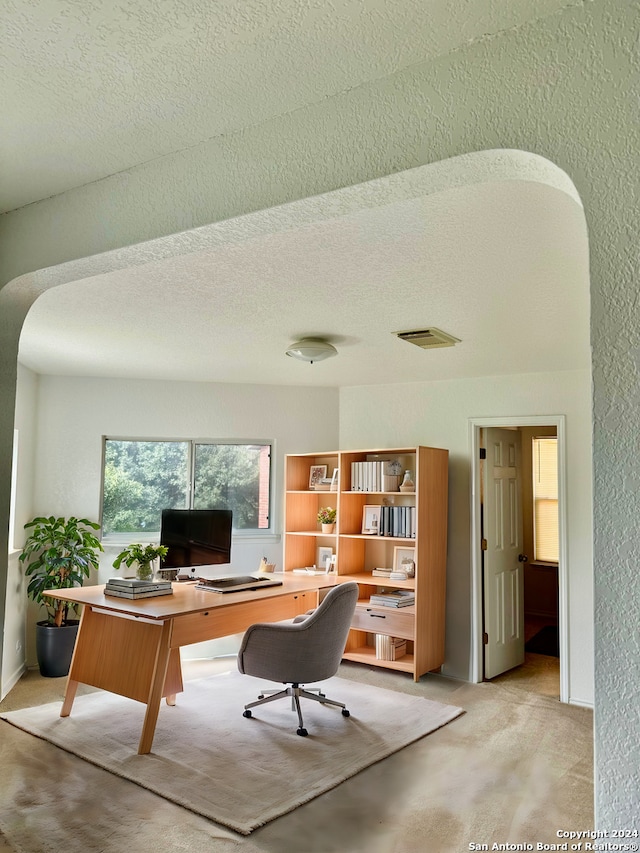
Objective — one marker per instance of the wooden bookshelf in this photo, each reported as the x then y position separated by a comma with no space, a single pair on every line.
358,553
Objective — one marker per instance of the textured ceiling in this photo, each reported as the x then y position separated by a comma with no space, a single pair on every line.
92,88
501,265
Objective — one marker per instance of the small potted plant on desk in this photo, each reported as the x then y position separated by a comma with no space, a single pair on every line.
143,555
59,553
327,518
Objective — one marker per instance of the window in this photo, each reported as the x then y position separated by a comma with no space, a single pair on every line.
141,478
545,499
14,492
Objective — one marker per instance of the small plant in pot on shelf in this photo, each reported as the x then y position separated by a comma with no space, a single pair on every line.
143,555
327,518
59,554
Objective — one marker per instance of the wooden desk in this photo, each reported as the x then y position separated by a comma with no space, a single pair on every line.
132,648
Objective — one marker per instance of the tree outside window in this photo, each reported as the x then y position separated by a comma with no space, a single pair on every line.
141,478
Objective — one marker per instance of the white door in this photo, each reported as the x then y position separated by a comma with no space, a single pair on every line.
503,571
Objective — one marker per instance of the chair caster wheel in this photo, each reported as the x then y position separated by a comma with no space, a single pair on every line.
261,696
345,713
302,732
246,714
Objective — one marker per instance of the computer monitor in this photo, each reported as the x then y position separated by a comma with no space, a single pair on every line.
195,537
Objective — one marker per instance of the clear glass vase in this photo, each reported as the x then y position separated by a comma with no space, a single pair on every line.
144,571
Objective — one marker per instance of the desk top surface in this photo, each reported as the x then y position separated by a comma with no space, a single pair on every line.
186,599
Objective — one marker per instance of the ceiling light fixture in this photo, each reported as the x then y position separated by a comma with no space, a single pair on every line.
311,349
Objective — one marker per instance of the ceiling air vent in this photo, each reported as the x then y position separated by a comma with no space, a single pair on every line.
428,338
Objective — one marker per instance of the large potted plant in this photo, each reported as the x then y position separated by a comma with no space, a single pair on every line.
143,556
59,553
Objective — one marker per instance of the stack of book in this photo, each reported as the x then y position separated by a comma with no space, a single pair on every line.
398,521
135,588
392,574
381,573
395,598
377,476
390,648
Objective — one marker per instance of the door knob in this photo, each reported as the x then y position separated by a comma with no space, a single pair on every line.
522,558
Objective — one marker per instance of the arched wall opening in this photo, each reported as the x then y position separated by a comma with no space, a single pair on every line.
480,169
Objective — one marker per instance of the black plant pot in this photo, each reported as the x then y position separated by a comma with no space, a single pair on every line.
54,647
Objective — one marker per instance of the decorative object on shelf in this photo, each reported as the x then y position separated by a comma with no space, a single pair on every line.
60,553
334,480
404,560
371,519
407,485
143,555
316,475
327,518
311,349
324,558
391,475
266,566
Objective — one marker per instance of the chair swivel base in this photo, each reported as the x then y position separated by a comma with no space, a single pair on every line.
296,693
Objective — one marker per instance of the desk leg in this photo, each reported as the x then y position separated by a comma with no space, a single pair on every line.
69,696
171,699
72,684
156,690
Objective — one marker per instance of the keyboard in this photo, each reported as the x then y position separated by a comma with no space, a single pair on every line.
237,583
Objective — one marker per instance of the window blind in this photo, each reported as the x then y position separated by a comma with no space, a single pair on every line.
545,499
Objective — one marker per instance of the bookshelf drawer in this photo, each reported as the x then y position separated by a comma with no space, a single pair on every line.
384,620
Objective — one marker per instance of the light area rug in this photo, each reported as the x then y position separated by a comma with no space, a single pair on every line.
238,772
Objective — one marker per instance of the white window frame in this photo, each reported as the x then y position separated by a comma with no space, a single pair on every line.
262,535
539,561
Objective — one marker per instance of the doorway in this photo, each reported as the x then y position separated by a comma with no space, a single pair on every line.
541,586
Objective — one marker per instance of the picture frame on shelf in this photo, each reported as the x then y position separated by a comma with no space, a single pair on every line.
400,554
324,555
316,475
371,519
334,480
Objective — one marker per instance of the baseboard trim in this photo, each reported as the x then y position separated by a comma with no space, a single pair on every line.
581,703
11,682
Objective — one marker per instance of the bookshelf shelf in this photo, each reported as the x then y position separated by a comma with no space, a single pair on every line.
367,654
357,553
371,538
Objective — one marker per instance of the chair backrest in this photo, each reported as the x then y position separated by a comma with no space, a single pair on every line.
304,652
328,628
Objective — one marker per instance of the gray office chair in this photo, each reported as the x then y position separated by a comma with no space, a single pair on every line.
307,650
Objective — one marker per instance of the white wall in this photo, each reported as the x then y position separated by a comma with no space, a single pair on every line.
74,414
437,414
14,646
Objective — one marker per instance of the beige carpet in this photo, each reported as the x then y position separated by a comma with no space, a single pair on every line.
241,773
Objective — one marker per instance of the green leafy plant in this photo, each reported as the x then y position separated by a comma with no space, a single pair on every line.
141,554
59,553
326,515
